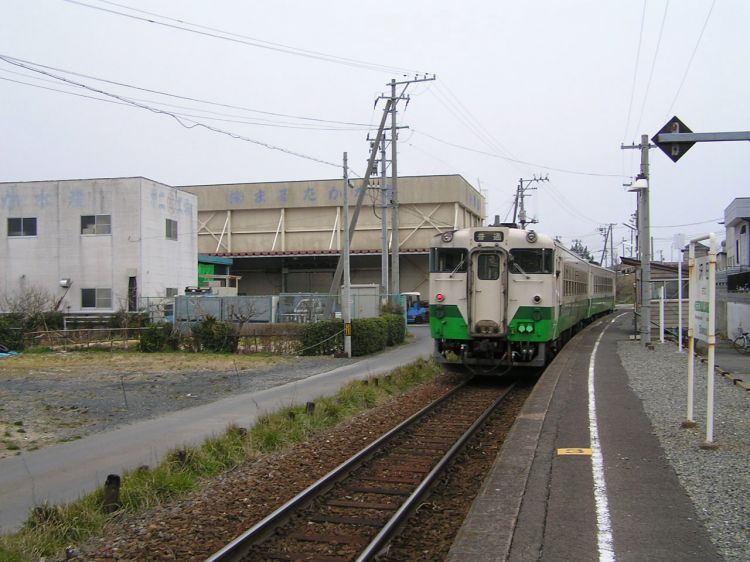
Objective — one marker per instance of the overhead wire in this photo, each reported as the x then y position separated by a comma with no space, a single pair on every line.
240,121
653,65
688,224
493,142
242,39
182,97
635,72
501,157
182,121
690,61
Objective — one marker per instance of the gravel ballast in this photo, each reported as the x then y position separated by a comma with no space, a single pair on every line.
717,480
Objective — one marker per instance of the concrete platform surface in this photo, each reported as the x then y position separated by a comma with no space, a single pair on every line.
574,482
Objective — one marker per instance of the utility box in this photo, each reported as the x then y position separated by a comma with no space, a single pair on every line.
365,300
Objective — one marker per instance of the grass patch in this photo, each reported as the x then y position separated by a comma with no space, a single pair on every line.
50,529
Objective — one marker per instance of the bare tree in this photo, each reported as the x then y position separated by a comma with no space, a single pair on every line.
31,304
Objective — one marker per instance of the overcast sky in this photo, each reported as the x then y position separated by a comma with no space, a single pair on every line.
523,89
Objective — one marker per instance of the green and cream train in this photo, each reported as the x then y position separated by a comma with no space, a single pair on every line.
503,296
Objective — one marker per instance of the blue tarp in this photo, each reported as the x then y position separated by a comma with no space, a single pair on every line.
9,354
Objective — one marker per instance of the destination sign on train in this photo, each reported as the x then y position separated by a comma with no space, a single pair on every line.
488,236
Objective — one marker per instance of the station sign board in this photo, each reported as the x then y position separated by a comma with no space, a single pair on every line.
702,308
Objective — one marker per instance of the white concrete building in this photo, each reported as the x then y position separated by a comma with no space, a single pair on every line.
97,245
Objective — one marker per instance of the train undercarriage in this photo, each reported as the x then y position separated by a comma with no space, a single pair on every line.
494,352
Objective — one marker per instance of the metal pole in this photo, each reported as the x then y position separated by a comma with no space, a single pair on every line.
690,422
384,210
711,343
661,314
346,306
644,240
395,240
679,303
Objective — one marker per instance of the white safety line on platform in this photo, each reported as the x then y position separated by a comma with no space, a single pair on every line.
603,521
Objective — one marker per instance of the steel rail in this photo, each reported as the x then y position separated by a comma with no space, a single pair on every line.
239,547
385,535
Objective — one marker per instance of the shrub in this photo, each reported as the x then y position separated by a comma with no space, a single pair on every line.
323,338
157,337
396,328
369,335
212,335
11,332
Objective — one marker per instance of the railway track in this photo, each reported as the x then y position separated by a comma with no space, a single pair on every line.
354,511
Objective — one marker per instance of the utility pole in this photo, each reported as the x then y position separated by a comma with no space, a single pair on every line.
384,206
336,281
606,231
395,238
384,275
395,224
518,208
641,187
346,305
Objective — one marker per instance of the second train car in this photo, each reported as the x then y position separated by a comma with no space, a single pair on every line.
504,296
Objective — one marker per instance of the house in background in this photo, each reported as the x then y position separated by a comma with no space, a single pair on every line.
97,245
732,277
737,280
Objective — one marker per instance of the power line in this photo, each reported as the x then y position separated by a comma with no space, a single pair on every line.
518,161
635,71
690,61
244,39
176,117
653,65
189,115
688,224
9,58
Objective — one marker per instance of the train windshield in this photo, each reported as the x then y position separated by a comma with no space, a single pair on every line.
448,260
537,260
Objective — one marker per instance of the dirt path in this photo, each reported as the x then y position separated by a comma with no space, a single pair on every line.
56,397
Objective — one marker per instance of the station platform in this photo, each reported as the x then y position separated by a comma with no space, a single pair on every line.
598,467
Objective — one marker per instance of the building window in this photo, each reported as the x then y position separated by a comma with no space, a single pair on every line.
22,226
96,298
171,292
171,229
96,224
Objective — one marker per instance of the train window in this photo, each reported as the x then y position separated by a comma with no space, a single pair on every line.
448,260
536,260
488,267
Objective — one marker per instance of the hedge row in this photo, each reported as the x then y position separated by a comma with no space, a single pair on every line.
369,335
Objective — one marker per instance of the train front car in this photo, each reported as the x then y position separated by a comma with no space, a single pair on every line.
492,295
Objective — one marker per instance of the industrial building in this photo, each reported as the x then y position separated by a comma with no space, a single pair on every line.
97,245
286,237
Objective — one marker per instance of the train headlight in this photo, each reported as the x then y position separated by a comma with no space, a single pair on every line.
537,299
447,237
531,237
440,297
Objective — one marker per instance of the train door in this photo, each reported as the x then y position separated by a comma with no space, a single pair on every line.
488,293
